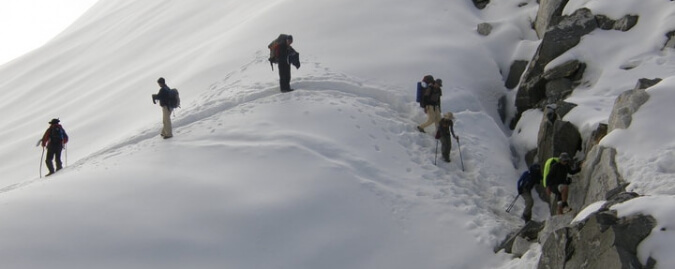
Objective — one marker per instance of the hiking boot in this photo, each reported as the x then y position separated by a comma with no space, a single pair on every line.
420,129
447,160
167,137
49,174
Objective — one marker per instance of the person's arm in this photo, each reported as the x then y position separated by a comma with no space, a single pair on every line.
163,95
65,136
452,129
576,169
45,137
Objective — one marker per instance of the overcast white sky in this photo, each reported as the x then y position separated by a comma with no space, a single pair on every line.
27,24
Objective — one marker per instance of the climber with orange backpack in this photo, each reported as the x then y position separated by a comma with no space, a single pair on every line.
284,55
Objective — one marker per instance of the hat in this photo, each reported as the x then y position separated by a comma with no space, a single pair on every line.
54,121
439,82
160,80
449,116
564,157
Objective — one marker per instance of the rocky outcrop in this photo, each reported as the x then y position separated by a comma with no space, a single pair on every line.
518,242
599,178
556,136
597,135
549,13
515,72
624,24
540,87
557,40
570,69
645,83
670,43
628,103
484,29
480,4
603,240
562,79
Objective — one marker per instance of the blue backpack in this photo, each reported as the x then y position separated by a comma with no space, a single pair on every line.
524,181
529,178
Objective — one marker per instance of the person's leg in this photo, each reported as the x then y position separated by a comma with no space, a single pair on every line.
48,161
57,157
445,148
555,189
529,202
564,192
167,131
431,117
284,77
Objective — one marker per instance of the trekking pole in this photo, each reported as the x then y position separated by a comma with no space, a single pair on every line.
66,148
508,209
436,155
459,147
41,159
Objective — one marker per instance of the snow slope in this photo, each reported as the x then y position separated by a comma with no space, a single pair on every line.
332,175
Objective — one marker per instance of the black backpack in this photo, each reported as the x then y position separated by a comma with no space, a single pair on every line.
419,97
56,135
174,99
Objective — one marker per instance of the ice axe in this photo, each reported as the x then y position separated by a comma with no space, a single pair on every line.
459,147
508,209
436,155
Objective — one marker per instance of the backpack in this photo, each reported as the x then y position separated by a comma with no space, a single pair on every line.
174,99
535,173
529,178
274,48
420,92
524,181
421,89
56,135
547,169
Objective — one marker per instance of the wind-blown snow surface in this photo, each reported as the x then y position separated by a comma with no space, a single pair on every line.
332,175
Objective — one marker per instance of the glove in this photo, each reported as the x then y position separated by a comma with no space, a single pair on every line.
438,135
